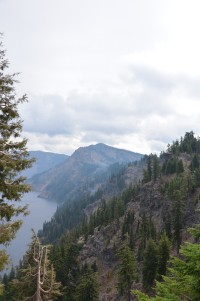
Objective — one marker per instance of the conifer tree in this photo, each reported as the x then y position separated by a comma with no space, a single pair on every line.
156,168
183,282
88,288
163,255
126,272
14,157
150,263
177,223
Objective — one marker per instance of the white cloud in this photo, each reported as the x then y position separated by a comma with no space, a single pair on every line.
125,73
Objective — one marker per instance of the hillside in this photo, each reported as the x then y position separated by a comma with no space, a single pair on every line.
44,161
120,237
81,173
165,200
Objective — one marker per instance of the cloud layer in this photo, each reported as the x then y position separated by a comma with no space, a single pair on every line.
126,73
145,112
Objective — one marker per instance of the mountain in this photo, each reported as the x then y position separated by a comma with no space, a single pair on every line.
122,234
44,161
157,207
104,155
80,173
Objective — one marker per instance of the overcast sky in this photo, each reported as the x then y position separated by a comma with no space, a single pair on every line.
122,72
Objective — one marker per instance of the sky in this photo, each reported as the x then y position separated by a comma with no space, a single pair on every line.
121,72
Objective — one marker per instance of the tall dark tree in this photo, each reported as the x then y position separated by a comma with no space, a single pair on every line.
126,272
156,168
150,264
88,288
183,281
163,255
177,215
14,157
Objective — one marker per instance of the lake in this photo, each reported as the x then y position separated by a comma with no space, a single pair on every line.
40,210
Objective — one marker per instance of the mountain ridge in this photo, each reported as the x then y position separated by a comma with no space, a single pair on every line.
65,180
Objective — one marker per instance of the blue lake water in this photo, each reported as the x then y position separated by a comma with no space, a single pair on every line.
40,210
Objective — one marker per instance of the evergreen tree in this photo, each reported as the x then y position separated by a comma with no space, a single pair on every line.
163,255
88,289
14,157
177,214
149,167
126,272
183,282
150,263
156,168
64,258
194,163
179,167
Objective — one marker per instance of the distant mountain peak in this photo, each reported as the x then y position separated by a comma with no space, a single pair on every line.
83,165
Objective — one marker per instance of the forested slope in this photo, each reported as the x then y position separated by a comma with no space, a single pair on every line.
81,173
123,242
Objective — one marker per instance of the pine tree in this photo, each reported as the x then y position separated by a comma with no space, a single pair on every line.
194,163
156,168
150,263
14,157
183,282
177,214
163,255
126,272
65,261
88,288
179,166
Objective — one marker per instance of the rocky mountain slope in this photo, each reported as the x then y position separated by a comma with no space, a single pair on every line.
143,209
166,199
81,173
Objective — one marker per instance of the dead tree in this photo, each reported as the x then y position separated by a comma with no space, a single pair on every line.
41,273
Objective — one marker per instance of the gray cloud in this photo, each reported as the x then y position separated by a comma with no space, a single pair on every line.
104,116
153,79
47,114
71,55
111,116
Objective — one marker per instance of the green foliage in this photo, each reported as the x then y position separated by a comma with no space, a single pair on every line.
177,189
71,214
163,255
126,271
194,163
150,264
108,211
183,282
128,223
65,260
188,144
153,169
14,157
88,289
146,231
